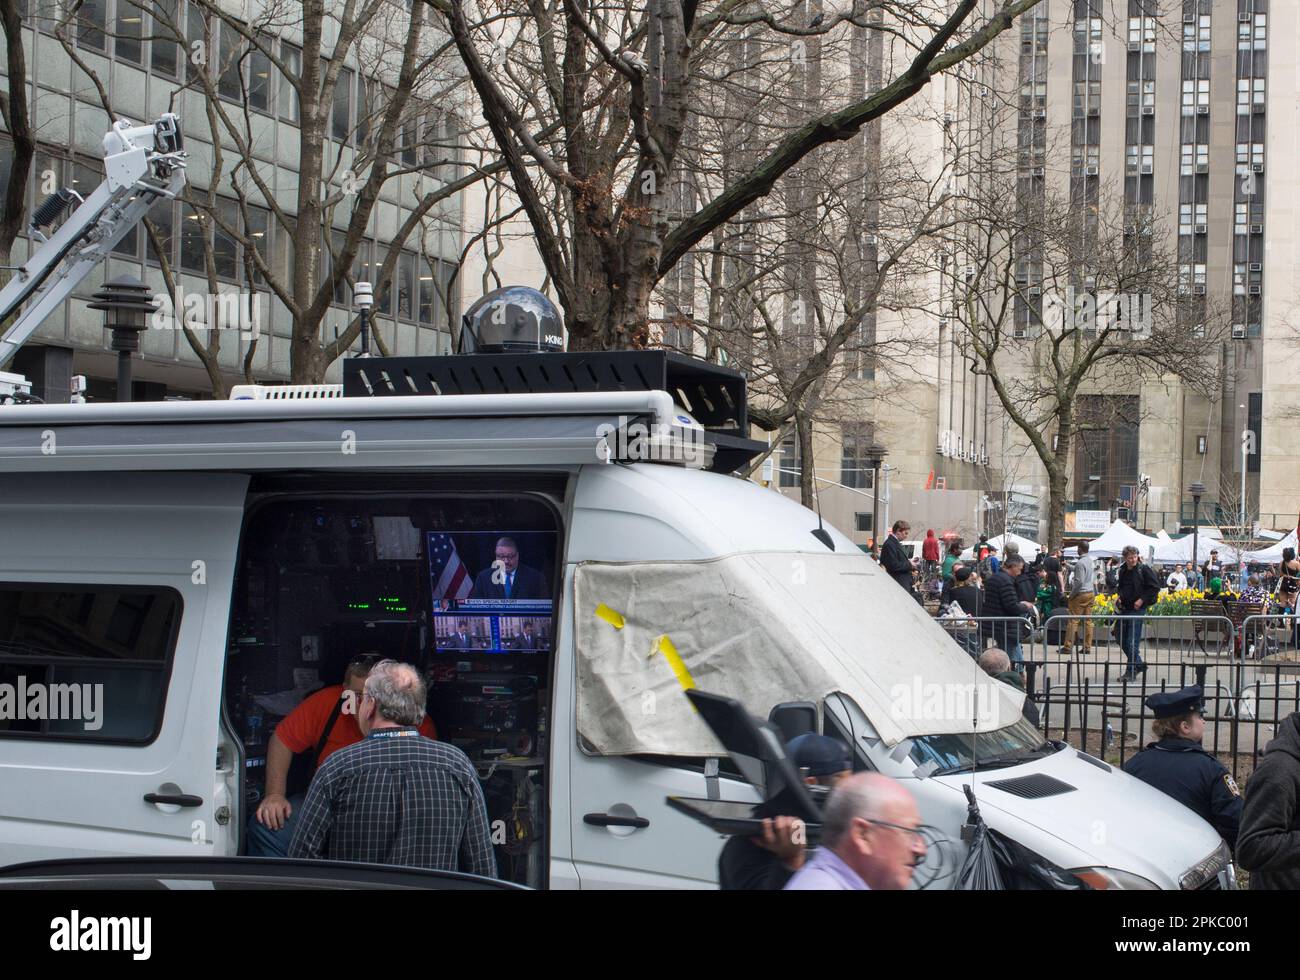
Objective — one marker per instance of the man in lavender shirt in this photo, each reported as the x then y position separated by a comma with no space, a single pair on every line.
870,838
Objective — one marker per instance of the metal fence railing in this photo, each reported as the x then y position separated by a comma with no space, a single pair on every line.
1250,670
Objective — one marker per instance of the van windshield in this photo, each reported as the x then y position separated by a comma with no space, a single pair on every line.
961,752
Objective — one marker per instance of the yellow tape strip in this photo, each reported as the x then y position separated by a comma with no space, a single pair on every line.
610,616
665,646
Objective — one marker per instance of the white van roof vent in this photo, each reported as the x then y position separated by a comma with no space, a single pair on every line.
260,393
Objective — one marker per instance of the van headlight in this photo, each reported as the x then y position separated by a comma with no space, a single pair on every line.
1204,873
1112,879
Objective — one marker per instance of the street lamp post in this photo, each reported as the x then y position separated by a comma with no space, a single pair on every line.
876,454
1196,490
127,304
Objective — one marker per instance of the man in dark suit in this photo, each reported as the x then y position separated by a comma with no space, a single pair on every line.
894,559
1005,607
507,579
460,640
527,640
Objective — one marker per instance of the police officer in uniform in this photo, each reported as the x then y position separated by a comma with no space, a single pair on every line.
1178,766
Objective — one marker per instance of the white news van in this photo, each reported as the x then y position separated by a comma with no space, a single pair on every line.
204,565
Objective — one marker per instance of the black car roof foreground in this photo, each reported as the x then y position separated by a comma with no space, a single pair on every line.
283,872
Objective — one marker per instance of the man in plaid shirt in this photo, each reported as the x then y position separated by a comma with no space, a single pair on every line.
396,797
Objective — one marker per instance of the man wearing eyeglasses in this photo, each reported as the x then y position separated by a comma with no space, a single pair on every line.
871,839
322,724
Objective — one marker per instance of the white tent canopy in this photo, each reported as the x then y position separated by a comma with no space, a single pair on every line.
1028,549
1116,538
1179,552
1273,553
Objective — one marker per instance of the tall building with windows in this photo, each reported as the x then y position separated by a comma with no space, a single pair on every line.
146,70
1185,112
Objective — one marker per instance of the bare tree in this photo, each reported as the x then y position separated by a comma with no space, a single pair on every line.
621,80
1048,295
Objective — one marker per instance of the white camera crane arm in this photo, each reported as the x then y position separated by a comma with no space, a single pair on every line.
141,165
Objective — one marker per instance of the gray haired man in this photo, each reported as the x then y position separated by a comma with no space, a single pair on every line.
396,797
871,838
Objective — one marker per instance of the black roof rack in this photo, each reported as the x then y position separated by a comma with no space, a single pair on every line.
714,395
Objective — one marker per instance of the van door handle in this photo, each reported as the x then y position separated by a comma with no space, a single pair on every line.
174,799
613,820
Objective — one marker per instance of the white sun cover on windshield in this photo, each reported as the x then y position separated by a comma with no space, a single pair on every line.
764,628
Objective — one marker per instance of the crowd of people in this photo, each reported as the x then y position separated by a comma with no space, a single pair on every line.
1000,598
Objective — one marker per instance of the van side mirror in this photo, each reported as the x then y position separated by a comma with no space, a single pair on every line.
793,718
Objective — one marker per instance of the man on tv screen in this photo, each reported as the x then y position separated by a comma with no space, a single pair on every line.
527,639
460,640
505,578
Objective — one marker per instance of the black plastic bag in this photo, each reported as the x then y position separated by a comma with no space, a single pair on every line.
979,872
995,862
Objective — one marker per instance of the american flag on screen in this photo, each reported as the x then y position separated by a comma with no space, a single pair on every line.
450,576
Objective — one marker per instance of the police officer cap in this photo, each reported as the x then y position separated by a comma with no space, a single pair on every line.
821,755
1171,704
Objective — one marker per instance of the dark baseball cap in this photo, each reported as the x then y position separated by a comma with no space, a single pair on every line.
820,755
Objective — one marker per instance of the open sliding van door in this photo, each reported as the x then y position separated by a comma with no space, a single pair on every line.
114,604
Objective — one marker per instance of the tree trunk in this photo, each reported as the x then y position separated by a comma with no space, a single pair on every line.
1058,475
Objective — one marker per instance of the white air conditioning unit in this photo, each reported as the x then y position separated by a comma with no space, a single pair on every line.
1148,110
1147,168
1040,113
1198,289
1091,171
1189,18
868,239
1090,282
1200,229
1094,110
1019,332
1244,16
1257,267
1202,110
1035,171
1035,290
259,393
1256,289
1257,229
970,272
947,118
1135,45
1257,168
1238,331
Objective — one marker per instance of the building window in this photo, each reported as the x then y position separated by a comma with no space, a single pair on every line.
92,25
290,108
855,471
259,78
791,465
127,45
164,54
162,217
341,111
257,231
192,240
863,522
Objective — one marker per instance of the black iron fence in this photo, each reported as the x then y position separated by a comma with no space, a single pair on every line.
1094,695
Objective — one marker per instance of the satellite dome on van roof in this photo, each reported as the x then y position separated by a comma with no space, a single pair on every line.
512,319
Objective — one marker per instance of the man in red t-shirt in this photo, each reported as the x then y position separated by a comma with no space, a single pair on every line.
326,719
